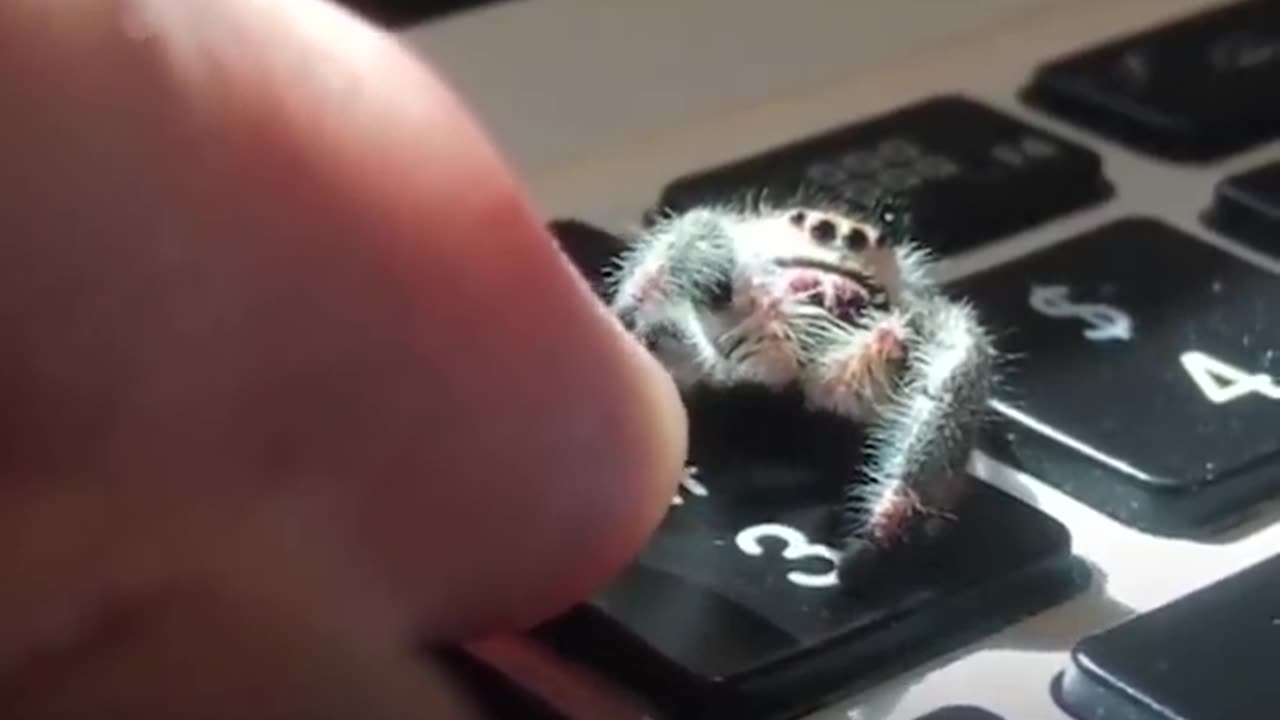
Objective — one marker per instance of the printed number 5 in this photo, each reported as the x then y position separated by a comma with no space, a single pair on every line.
797,547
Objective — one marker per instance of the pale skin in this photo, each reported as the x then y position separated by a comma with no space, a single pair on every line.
259,271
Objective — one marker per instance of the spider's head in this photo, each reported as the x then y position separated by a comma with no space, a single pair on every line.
845,241
853,261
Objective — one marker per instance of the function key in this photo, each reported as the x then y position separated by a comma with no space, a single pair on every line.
1246,206
1196,89
968,173
1142,374
735,609
1207,655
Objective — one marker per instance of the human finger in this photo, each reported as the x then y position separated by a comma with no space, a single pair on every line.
259,255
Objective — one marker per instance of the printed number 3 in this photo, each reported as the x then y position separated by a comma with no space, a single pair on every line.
797,547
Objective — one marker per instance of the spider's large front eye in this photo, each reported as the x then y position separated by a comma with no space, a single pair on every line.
824,231
856,240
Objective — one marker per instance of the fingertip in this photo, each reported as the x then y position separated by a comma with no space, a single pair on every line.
590,442
645,461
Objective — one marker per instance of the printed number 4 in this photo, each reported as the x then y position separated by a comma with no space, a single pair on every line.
797,547
1222,383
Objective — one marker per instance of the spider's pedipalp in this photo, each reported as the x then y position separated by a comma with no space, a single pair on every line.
854,370
679,266
688,257
921,446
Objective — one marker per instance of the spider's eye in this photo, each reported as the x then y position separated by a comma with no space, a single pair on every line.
824,231
856,239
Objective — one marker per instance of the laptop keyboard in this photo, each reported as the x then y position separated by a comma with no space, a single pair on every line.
1143,380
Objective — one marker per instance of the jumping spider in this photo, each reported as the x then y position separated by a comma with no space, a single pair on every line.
840,306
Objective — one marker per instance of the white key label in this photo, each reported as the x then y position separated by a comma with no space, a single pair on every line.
798,547
690,484
1222,383
1105,322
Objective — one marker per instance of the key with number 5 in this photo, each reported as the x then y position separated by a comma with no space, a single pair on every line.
1144,374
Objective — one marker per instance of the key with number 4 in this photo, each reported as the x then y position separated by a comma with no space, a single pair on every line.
1143,374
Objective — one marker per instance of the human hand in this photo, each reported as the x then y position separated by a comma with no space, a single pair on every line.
293,377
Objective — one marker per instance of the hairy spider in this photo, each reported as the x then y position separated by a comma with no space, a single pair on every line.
841,306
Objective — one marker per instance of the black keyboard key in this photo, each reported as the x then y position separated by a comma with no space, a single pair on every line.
403,13
733,609
960,712
1246,206
1208,655
1139,373
1195,89
714,621
969,173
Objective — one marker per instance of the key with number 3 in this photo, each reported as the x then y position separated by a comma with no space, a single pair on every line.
734,608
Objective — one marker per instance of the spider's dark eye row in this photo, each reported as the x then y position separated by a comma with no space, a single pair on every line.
856,239
827,231
823,231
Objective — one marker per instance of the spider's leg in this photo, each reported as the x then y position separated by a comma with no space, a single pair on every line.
682,343
687,259
921,443
681,266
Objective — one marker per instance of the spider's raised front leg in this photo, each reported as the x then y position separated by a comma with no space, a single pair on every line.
921,444
672,273
919,380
